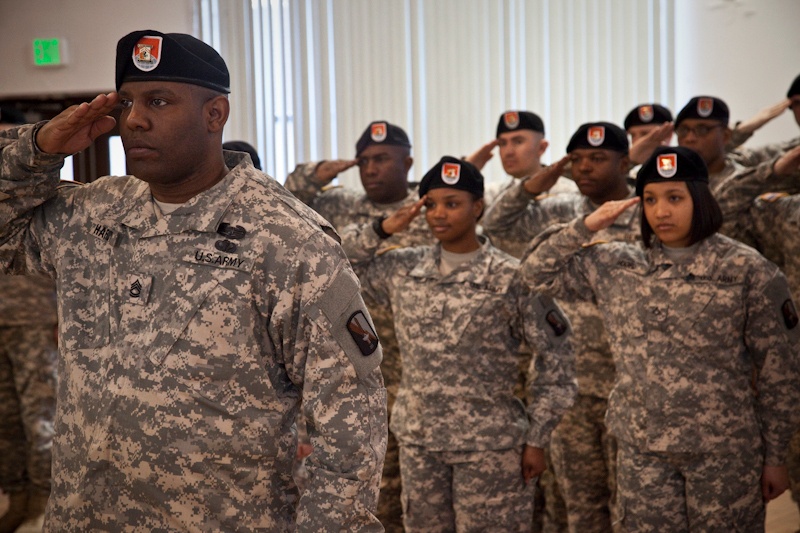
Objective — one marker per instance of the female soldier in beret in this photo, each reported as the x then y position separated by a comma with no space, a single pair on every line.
467,445
704,334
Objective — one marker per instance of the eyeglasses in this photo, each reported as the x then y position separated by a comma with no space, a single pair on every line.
699,131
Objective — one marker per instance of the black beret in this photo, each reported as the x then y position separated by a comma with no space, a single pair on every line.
709,107
382,132
671,163
519,120
241,146
453,173
795,88
149,55
646,114
603,135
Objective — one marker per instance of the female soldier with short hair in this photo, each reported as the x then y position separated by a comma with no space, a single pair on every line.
704,334
467,445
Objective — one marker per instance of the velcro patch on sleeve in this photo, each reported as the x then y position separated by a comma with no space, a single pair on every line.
350,323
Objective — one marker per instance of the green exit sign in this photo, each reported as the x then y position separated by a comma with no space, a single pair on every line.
49,52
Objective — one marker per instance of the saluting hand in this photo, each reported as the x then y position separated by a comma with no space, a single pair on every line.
788,163
643,148
482,155
401,219
547,177
763,116
606,214
78,126
327,170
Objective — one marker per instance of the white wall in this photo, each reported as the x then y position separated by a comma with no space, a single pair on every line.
91,28
746,52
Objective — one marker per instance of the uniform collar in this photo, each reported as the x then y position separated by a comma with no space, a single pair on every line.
203,213
700,264
476,271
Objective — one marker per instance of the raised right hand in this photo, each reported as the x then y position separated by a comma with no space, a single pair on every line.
327,170
401,219
547,177
482,155
78,126
606,214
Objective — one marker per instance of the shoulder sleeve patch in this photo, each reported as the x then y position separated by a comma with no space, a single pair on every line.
364,336
557,322
789,314
350,323
331,187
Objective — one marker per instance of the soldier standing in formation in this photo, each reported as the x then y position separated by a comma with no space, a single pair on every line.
704,335
583,452
200,303
383,157
467,445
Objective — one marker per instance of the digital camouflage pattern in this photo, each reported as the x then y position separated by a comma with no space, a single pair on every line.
750,157
775,226
27,382
451,400
736,187
350,210
723,495
187,342
583,459
490,497
688,337
459,337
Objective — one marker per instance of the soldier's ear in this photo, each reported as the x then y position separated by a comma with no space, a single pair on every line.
408,161
216,111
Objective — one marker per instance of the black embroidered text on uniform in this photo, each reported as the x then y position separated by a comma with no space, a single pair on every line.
103,232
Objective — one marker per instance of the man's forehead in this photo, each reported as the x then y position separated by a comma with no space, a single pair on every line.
644,127
381,149
700,122
520,134
165,87
593,151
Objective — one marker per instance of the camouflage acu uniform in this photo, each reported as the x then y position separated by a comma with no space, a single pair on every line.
27,382
459,338
688,337
750,157
344,207
735,188
775,225
495,189
583,454
186,344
